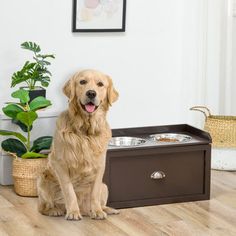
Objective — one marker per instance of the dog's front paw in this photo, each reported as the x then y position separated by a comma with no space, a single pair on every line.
56,212
98,215
73,215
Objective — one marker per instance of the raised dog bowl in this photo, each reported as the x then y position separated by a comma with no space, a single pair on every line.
155,172
171,138
126,141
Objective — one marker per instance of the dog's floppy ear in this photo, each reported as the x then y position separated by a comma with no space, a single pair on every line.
112,94
69,88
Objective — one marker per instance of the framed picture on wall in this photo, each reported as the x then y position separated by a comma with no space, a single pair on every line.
99,15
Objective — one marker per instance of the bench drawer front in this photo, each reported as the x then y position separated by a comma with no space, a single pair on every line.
130,176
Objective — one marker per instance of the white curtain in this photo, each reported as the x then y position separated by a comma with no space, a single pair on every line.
220,90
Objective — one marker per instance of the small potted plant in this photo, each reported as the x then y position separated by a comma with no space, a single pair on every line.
29,156
34,72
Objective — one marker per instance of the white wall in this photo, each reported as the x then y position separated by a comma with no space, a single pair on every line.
221,57
158,65
233,87
233,81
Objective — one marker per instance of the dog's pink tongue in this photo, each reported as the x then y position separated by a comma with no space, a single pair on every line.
90,108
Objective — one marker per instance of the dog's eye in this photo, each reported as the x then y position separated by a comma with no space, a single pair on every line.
100,84
83,82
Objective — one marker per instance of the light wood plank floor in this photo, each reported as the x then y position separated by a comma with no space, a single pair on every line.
19,216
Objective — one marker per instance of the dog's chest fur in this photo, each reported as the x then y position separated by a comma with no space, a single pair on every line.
81,147
90,156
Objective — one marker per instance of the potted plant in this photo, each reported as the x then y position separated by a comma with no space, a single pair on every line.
29,157
34,72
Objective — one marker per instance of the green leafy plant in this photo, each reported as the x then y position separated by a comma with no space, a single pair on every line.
36,71
24,114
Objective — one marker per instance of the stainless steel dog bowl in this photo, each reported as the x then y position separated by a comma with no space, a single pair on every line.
171,138
126,141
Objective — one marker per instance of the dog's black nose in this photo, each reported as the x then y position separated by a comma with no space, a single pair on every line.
91,94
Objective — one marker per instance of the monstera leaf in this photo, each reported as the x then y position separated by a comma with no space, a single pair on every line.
31,46
46,56
42,143
14,146
23,75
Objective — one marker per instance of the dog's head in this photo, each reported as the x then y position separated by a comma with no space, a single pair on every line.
89,91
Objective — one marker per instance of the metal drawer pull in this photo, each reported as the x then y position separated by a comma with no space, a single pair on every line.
158,175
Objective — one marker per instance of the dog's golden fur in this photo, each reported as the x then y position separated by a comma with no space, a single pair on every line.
72,183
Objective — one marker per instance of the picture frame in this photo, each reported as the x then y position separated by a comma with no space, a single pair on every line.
98,16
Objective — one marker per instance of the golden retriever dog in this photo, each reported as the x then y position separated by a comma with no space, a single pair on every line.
72,184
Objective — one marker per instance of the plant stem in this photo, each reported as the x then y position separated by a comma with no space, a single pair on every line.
31,84
28,138
34,84
28,84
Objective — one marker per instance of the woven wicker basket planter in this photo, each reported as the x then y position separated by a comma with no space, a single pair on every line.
221,128
25,173
223,132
